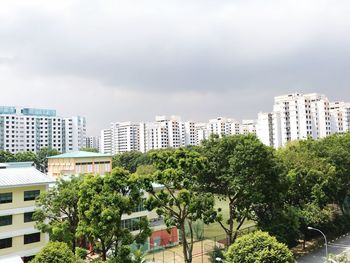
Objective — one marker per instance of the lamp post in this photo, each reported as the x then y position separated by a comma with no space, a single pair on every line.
325,239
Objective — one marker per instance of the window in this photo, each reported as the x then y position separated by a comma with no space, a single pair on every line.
28,217
31,195
5,243
32,238
5,198
5,220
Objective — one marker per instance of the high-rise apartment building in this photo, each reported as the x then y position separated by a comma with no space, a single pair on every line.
92,142
223,126
167,132
125,137
340,117
295,116
28,129
106,141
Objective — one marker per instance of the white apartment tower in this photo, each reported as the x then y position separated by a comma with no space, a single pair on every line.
28,129
295,116
106,141
340,117
223,126
93,142
264,129
125,137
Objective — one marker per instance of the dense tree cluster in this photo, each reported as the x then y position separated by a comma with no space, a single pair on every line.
306,183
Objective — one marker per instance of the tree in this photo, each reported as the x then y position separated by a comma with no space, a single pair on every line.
130,160
311,181
178,201
88,149
25,157
57,212
258,247
56,252
242,170
41,161
335,150
6,156
103,201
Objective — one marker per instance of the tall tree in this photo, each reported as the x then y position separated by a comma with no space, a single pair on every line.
242,170
335,150
57,212
41,161
179,201
104,199
130,160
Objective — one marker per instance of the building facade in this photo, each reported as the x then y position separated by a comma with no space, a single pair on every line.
297,116
75,163
92,142
167,132
20,184
28,129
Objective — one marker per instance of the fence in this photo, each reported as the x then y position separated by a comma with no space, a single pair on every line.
204,250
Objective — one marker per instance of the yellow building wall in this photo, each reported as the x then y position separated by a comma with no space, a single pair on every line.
18,246
18,197
18,224
60,166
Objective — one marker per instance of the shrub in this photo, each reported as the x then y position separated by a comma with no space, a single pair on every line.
258,247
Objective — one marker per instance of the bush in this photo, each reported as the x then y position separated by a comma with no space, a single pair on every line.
81,252
258,247
55,252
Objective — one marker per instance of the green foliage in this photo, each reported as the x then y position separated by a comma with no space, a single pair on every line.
81,252
55,252
179,201
130,160
25,157
242,170
41,160
57,212
258,247
6,156
103,201
88,149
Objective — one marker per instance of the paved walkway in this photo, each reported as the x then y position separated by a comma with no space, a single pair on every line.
335,247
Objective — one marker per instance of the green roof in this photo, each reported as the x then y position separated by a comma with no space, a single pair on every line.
80,154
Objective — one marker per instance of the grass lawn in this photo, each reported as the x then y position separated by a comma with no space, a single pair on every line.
214,229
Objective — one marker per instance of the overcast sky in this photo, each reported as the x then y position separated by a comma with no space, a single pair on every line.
125,60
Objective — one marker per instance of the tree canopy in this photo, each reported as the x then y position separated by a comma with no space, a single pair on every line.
242,170
179,201
103,201
258,247
56,252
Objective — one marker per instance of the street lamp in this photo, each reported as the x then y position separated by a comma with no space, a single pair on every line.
325,239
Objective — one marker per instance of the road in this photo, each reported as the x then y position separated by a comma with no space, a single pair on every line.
335,247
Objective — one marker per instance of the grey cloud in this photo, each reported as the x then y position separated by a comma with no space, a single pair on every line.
134,59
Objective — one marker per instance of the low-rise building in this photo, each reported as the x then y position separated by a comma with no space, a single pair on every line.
81,162
20,184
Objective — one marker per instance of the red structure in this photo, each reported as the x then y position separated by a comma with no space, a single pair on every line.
164,238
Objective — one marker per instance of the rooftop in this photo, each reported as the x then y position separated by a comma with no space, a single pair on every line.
80,154
23,176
